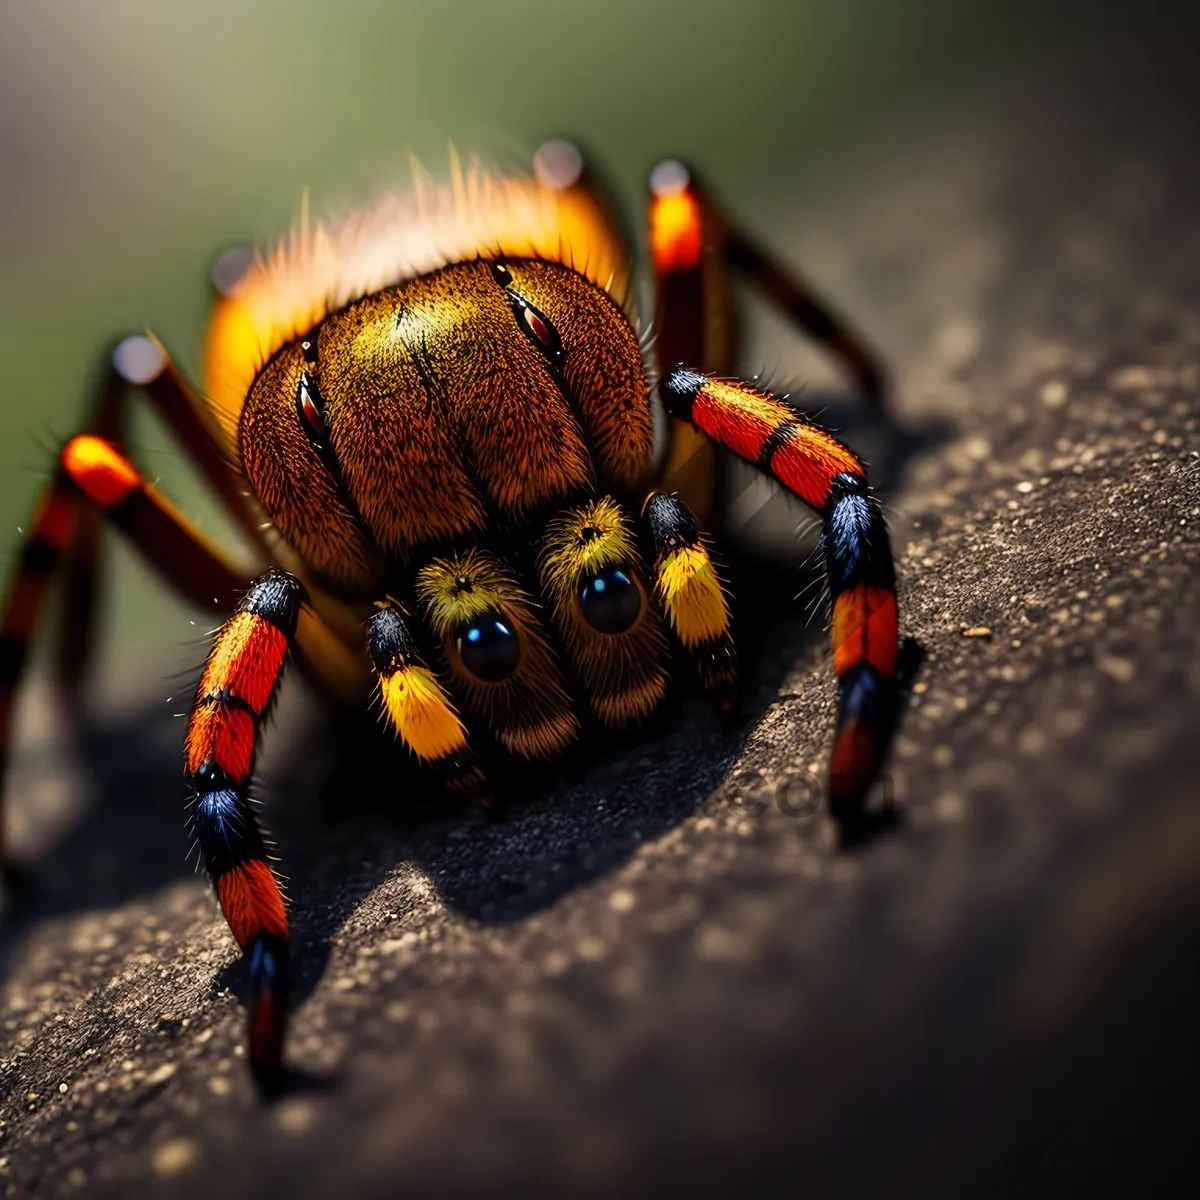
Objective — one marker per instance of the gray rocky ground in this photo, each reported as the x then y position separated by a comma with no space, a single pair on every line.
658,969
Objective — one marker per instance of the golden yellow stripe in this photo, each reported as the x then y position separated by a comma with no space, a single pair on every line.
692,596
421,713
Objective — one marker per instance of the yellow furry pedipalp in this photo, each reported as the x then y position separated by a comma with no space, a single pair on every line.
691,594
421,713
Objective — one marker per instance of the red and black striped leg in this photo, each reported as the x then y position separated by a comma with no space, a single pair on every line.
239,680
93,475
858,558
862,587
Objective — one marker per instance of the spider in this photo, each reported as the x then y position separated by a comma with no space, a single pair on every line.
433,421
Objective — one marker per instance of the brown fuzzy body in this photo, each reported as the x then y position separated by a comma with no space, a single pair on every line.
432,441
445,416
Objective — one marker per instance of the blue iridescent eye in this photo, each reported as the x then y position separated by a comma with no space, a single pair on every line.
610,600
489,648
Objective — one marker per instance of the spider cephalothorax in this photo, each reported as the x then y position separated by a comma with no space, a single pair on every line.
434,422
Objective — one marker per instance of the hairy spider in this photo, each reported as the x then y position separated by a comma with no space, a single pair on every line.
433,422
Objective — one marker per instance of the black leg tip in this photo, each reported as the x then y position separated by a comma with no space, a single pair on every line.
858,826
18,884
270,1076
724,695
281,1081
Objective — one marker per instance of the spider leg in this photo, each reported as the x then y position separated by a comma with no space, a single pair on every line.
235,691
187,559
693,324
417,707
186,414
796,300
693,231
51,530
135,362
829,478
694,246
692,595
93,474
82,562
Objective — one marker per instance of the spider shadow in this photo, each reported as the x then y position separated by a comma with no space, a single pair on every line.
352,806
557,827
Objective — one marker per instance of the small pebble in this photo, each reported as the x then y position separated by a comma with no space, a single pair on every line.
1120,669
161,1074
977,631
555,963
1131,379
295,1116
175,1156
948,806
1054,393
591,949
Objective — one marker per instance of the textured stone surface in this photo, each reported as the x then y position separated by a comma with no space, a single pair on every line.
639,977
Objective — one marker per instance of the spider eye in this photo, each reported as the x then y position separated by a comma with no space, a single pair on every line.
488,647
310,406
537,328
610,601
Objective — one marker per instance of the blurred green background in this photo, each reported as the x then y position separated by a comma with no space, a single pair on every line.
137,138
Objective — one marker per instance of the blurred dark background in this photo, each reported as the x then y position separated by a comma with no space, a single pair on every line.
628,980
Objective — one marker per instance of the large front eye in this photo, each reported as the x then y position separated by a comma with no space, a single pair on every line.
610,601
488,647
